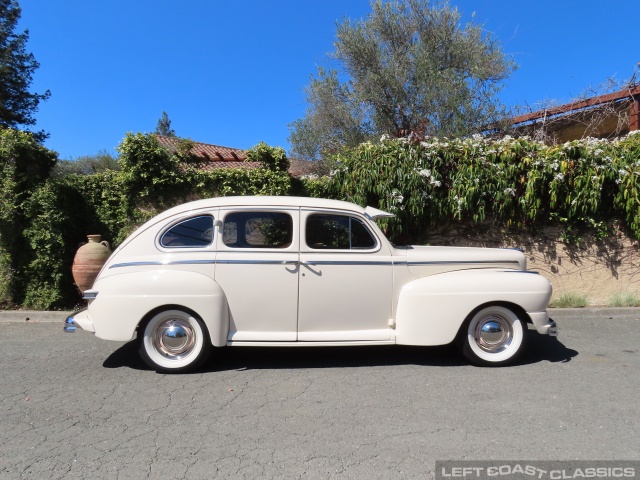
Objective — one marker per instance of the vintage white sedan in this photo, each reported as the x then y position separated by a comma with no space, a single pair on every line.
283,271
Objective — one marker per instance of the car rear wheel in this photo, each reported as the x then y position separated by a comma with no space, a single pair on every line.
495,336
174,341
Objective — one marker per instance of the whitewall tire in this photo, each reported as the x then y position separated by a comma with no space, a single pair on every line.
494,336
174,341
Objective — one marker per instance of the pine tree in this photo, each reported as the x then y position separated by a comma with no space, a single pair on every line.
164,126
17,104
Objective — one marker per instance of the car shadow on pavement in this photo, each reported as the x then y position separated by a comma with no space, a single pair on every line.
541,348
545,348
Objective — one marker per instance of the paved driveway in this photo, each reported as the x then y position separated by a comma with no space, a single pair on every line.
73,406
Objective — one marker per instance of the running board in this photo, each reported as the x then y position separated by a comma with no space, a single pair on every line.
231,343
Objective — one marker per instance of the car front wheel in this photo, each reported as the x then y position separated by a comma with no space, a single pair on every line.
174,341
494,336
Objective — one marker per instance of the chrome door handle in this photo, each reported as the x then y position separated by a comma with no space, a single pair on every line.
307,263
289,262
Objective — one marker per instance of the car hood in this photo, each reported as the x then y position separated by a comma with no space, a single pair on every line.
431,260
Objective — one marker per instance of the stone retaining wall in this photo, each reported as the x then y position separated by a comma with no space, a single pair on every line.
597,269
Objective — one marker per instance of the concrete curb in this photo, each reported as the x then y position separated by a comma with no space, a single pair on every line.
32,316
558,314
611,313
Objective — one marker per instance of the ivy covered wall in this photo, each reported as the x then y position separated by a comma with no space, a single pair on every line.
515,184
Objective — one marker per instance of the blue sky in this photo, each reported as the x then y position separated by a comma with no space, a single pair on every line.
233,73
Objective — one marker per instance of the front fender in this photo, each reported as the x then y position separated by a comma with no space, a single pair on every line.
123,300
432,309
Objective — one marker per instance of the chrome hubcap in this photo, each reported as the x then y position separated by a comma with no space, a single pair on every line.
493,333
174,339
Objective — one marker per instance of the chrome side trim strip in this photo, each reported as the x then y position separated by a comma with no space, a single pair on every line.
310,262
459,262
257,262
156,263
347,262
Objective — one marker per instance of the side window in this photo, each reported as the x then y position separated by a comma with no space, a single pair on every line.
194,232
337,232
258,230
360,235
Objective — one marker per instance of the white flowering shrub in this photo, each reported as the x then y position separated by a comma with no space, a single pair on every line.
515,182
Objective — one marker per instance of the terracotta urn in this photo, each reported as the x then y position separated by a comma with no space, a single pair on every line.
89,260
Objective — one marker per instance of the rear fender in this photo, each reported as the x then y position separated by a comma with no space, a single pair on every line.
124,300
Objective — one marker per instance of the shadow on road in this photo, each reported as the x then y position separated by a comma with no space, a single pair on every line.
545,348
541,348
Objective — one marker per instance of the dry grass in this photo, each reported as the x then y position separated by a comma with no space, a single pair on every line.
626,299
569,300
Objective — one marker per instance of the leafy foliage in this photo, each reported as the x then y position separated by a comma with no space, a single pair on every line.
86,165
410,67
148,168
272,158
517,183
43,222
49,211
17,66
24,166
239,181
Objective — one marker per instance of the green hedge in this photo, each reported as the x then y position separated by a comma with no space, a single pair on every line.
24,166
515,183
43,221
62,212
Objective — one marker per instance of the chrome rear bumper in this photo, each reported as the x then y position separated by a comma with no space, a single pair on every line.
70,324
79,319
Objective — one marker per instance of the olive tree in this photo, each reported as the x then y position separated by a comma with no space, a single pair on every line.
410,67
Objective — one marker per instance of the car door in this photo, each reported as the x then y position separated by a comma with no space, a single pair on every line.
346,277
257,268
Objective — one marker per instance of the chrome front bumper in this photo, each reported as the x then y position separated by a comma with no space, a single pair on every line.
544,325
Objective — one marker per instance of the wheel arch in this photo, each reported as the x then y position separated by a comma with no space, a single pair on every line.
216,326
169,306
517,309
431,310
505,340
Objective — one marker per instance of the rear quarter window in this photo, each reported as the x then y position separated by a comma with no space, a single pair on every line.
191,233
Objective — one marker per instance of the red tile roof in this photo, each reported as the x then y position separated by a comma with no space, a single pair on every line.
214,156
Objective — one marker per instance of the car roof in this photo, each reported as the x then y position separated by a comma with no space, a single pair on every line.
262,201
259,201
246,201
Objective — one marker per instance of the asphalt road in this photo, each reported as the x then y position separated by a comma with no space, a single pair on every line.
73,406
